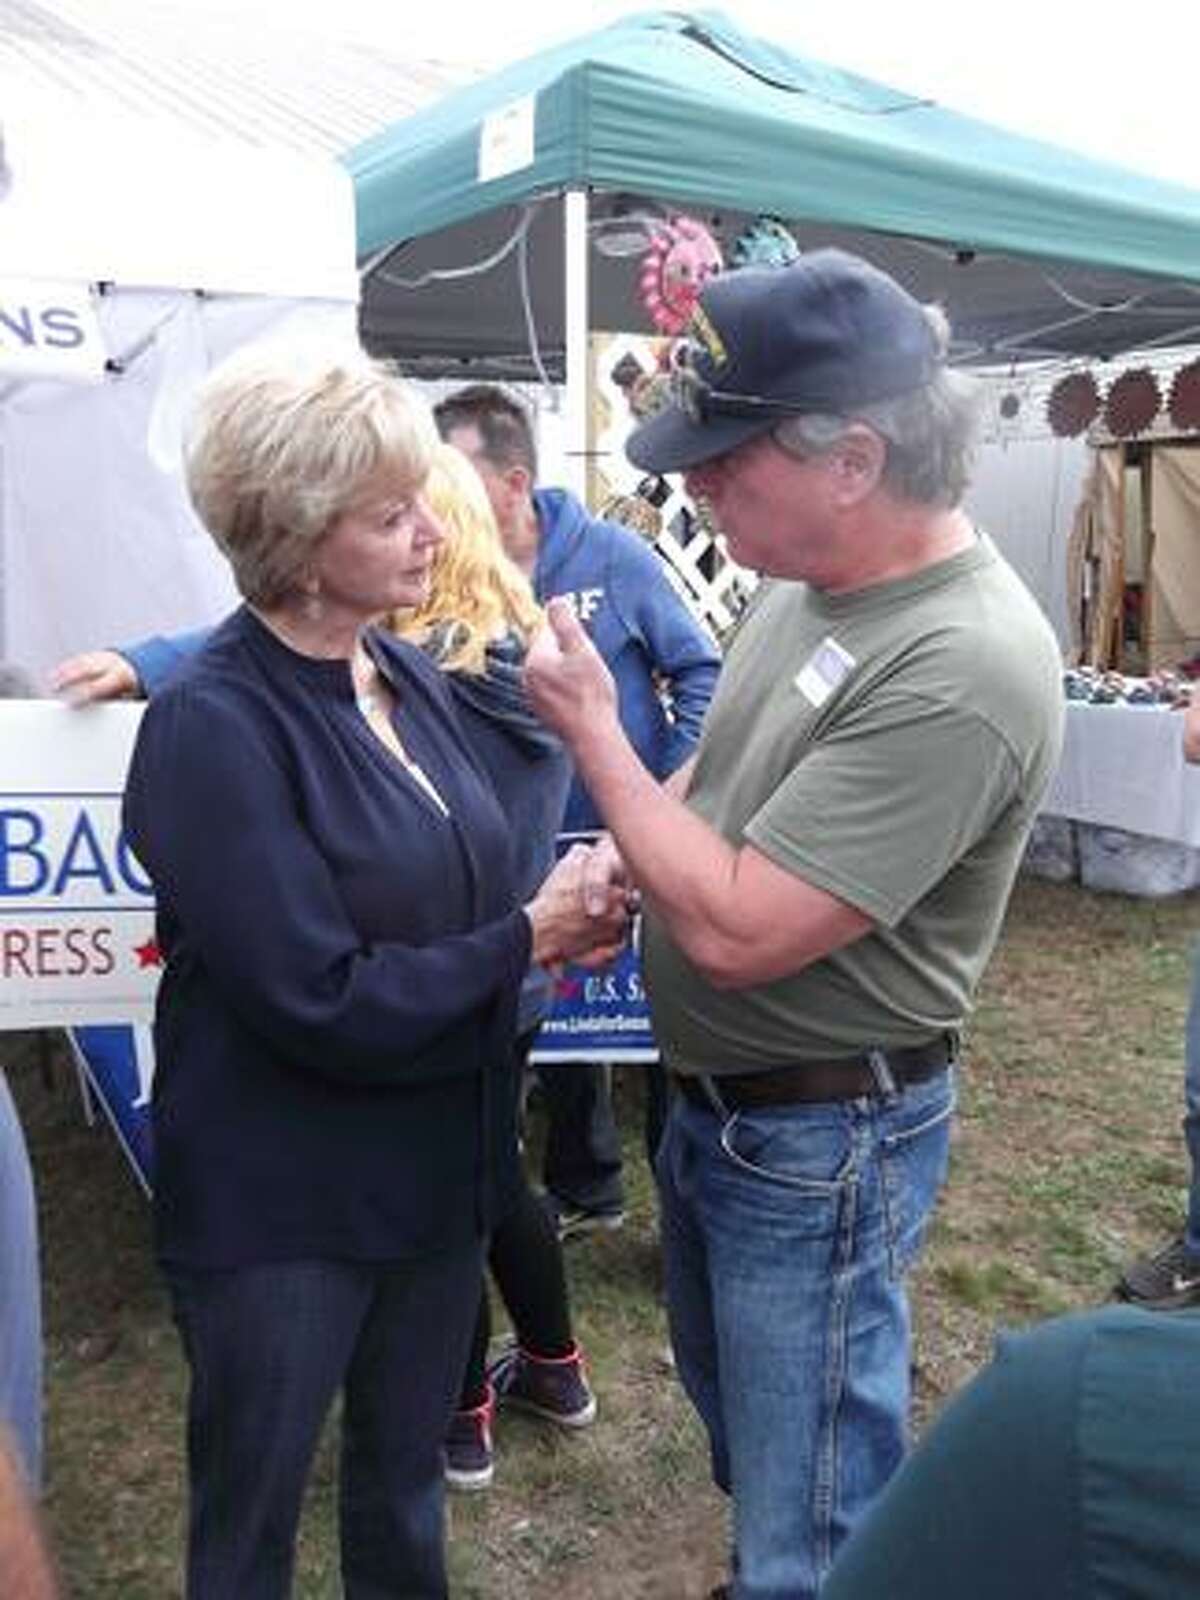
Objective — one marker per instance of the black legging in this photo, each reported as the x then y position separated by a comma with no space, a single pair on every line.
526,1260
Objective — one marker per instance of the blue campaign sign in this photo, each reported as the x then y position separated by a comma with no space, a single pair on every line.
598,1016
118,1063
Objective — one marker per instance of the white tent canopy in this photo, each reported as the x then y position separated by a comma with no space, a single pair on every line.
131,202
182,248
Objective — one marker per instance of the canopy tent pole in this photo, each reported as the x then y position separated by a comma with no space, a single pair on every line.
575,242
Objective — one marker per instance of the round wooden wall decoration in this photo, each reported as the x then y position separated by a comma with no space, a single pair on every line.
1132,403
1183,403
1072,404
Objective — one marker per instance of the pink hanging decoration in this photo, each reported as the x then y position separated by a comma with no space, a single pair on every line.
682,256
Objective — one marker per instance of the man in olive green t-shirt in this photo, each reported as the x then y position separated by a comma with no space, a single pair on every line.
824,882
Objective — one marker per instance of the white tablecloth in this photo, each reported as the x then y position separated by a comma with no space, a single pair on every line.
1123,767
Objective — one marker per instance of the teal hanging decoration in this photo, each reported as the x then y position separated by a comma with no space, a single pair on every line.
765,243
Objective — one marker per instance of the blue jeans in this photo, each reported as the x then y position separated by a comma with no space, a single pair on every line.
20,1295
786,1236
269,1348
1191,1120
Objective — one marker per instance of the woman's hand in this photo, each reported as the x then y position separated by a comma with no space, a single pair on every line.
568,928
97,675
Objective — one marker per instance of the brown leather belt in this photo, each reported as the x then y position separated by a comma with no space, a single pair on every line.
808,1082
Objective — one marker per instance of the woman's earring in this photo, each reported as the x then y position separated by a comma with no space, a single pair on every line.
314,606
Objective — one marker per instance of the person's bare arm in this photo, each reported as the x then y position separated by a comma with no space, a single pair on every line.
738,917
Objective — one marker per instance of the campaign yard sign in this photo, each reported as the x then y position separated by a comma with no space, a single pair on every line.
118,1064
598,1016
76,909
49,330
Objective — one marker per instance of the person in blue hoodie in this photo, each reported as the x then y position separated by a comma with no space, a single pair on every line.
664,664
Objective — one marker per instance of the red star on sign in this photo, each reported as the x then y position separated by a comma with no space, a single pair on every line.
148,954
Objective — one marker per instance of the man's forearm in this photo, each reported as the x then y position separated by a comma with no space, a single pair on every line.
678,783
739,918
680,864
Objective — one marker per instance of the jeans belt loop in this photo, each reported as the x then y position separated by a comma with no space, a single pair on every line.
881,1071
713,1095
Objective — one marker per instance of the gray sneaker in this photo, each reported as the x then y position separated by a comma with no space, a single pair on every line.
1168,1281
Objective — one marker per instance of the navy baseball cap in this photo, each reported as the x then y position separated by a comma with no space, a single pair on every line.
829,333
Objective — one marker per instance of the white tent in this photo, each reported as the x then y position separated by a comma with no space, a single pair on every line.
133,254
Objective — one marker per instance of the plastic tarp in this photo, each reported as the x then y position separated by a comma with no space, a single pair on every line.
134,202
1174,602
186,251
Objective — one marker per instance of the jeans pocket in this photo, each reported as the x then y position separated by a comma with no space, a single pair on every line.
812,1151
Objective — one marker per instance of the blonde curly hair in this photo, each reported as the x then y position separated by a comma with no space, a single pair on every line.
477,593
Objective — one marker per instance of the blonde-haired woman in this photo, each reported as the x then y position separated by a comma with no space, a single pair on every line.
476,623
478,596
345,947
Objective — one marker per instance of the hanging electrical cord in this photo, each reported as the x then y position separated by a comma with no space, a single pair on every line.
527,308
1023,340
1172,337
1101,309
472,268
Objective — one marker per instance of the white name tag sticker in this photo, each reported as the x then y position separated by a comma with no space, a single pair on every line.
820,675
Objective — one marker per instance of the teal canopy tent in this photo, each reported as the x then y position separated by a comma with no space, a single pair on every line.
474,213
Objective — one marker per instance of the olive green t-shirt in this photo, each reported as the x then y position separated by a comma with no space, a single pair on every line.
891,746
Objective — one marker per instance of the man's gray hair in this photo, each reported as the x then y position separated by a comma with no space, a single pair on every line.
930,432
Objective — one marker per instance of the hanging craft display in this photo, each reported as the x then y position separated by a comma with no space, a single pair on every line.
1183,403
645,391
1132,403
683,255
640,511
765,243
1072,404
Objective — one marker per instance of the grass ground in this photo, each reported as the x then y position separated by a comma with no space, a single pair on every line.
1067,1160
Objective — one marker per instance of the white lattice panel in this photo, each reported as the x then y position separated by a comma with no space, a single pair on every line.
715,587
